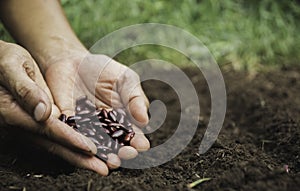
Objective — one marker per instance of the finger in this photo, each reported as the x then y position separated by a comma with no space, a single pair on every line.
133,97
54,129
77,159
106,88
138,109
99,74
100,104
55,111
31,97
113,161
127,152
62,83
110,97
63,134
94,99
139,141
39,79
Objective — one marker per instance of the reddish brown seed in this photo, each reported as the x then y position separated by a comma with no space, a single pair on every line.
117,125
109,143
104,125
81,100
97,123
121,120
101,126
118,133
63,117
84,112
74,117
114,112
94,141
107,131
89,131
128,137
100,137
94,114
128,129
103,113
116,146
103,147
71,120
84,120
107,120
112,116
78,108
90,105
113,129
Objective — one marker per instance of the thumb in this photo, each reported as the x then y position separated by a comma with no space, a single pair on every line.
133,97
20,81
63,81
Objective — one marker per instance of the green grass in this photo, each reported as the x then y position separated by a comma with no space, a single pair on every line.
247,34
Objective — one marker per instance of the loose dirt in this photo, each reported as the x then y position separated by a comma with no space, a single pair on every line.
258,147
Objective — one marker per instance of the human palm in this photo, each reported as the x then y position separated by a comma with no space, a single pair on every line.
106,82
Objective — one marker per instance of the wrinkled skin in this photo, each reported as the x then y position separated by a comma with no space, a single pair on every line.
22,87
42,28
105,81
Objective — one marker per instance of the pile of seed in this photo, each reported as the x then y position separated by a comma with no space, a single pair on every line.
108,129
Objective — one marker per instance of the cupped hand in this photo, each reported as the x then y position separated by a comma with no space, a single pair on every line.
106,82
22,90
17,75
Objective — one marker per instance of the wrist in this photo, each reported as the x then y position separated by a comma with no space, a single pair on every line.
56,49
41,27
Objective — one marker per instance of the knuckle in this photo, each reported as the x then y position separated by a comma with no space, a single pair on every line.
29,69
23,91
8,62
14,56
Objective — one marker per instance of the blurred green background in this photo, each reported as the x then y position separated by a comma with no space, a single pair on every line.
249,35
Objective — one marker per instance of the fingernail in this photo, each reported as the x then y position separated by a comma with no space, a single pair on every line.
39,111
113,161
140,143
100,167
127,152
92,147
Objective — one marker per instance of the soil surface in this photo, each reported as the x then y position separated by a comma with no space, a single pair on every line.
258,147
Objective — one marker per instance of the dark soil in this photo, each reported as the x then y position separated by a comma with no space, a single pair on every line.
260,135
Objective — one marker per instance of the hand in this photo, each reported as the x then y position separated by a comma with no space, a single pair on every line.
105,81
22,88
17,75
47,35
